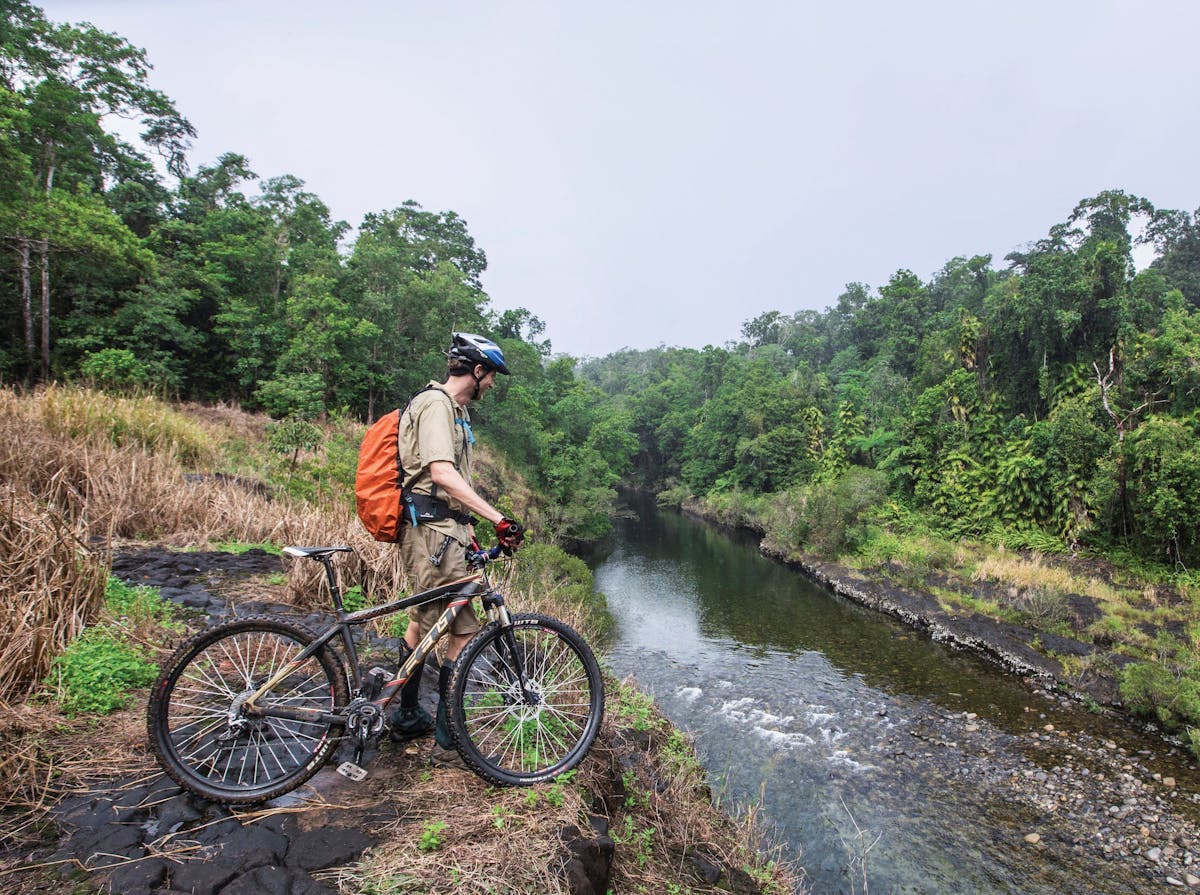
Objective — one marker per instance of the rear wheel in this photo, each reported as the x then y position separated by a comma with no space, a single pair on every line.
526,701
209,744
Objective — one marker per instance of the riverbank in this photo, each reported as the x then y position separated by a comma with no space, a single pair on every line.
1078,792
1069,623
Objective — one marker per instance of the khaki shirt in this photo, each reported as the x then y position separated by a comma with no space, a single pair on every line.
436,427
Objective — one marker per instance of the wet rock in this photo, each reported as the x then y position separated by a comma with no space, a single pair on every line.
139,878
706,867
587,862
252,846
266,880
202,877
318,849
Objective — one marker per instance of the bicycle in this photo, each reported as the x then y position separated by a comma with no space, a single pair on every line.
252,708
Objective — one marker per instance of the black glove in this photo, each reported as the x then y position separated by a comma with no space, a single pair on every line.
509,534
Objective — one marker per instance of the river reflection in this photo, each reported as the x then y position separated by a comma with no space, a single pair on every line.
838,719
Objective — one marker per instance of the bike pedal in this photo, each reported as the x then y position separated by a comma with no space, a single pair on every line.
375,680
351,770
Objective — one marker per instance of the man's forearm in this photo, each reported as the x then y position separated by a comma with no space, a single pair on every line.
452,484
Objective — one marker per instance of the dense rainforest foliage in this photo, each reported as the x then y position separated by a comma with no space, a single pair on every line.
123,268
1053,402
1049,400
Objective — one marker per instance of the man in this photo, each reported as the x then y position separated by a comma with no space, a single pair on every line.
435,451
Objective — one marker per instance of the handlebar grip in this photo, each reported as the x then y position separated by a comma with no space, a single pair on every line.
482,556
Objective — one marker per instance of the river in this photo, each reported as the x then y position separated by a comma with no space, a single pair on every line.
884,762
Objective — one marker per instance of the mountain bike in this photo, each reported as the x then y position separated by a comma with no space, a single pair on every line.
250,709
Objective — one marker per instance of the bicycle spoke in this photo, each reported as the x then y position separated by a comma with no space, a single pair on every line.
213,743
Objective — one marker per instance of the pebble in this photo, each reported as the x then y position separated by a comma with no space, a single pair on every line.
1033,838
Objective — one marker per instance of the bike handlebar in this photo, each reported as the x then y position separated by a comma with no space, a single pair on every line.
483,557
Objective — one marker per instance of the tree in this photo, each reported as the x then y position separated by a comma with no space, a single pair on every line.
68,79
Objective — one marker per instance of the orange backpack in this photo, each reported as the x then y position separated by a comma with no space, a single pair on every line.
380,477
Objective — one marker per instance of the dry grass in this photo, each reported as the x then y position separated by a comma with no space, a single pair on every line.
77,465
53,585
1036,573
45,756
493,841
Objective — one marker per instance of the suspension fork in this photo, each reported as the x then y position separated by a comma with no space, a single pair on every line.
494,604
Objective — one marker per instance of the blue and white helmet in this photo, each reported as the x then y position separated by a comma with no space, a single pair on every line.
478,350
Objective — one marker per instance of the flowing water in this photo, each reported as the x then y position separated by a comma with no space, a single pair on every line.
881,759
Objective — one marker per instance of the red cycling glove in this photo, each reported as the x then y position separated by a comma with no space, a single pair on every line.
509,534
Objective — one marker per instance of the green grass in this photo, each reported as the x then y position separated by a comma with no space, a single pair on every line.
98,671
239,547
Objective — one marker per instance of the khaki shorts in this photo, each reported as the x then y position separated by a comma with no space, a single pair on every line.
416,547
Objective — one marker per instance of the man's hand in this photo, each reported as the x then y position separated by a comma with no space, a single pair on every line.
509,534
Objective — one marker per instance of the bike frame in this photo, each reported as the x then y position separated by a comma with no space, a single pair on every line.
460,593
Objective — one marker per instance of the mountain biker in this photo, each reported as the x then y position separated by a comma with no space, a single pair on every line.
435,452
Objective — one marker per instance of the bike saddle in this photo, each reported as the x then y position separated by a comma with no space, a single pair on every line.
314,552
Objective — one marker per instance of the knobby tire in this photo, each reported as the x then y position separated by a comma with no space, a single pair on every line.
515,736
197,694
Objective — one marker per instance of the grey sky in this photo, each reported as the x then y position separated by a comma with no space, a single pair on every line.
642,173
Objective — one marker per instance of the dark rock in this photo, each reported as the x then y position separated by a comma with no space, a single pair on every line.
303,884
139,878
283,824
195,600
318,849
1065,646
261,607
1084,611
588,861
162,788
267,880
173,814
202,877
252,846
107,845
216,833
707,868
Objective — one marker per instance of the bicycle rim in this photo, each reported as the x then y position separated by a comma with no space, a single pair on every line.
208,745
519,729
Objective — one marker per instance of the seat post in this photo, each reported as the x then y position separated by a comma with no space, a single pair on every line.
327,562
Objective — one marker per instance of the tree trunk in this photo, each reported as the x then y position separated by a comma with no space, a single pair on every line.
27,304
44,248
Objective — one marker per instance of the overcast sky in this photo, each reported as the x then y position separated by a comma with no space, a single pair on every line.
645,173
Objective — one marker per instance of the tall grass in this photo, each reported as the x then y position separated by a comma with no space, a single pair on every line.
53,585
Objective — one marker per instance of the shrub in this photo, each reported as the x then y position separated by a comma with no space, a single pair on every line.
551,572
140,605
1167,689
115,369
828,518
97,673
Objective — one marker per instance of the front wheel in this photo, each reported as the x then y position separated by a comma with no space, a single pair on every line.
210,743
526,700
